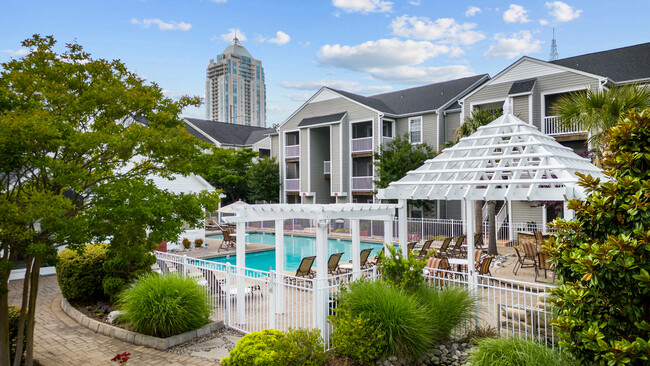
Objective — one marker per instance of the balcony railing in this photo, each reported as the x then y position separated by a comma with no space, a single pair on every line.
361,183
327,167
292,151
362,144
385,140
292,184
554,127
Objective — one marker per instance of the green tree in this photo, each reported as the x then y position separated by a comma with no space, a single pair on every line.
599,110
226,169
603,255
75,168
264,181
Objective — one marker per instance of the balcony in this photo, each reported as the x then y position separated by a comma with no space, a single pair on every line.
363,144
327,167
553,127
292,151
362,183
292,185
385,140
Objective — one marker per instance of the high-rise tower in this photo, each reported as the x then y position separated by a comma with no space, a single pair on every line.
235,91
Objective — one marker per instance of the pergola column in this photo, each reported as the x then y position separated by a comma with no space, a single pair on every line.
241,265
356,247
320,300
402,223
469,219
388,232
279,265
568,213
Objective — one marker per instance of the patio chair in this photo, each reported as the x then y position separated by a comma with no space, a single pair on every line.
478,241
333,264
521,262
545,264
457,251
229,240
425,248
539,238
530,251
437,268
377,261
442,252
484,267
410,246
304,268
363,261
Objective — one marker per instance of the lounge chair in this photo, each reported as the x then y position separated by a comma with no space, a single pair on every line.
484,267
545,264
304,268
410,246
521,262
363,261
333,264
425,248
457,251
442,252
437,268
216,285
210,224
478,241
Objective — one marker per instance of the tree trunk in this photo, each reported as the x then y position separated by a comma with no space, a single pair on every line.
4,323
23,309
31,311
492,228
478,217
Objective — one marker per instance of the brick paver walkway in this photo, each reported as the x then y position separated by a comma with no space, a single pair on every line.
59,340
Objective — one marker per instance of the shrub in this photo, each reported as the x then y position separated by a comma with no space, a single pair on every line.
404,272
14,321
80,272
394,313
187,243
516,352
198,242
357,337
125,264
603,256
163,306
304,347
446,309
258,349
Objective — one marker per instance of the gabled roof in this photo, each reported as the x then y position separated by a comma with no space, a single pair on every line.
507,159
226,133
620,64
419,99
321,119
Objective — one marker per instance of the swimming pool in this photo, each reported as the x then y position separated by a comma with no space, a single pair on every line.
295,248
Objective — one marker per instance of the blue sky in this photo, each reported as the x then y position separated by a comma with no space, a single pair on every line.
363,46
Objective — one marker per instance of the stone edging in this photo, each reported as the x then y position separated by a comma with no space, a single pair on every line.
133,337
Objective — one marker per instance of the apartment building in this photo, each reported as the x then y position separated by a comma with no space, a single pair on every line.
231,136
532,86
325,148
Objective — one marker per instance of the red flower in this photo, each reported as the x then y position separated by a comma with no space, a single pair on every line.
121,357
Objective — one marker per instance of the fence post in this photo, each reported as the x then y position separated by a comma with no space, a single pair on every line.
226,295
272,280
184,265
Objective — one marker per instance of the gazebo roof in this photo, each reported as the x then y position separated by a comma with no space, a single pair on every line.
313,211
507,159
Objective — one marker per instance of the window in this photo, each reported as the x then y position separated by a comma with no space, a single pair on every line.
415,130
387,128
362,167
293,170
361,130
265,153
292,139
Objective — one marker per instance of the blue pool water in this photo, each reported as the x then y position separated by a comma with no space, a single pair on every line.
295,248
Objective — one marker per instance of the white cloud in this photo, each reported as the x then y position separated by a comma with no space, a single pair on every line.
516,14
518,44
363,6
17,53
472,10
543,22
281,38
171,25
384,53
351,86
446,30
562,12
231,34
219,1
415,3
422,75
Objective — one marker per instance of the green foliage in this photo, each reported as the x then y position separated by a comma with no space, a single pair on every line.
163,306
227,169
397,316
516,352
272,347
478,118
447,309
603,255
80,272
125,264
403,273
357,337
14,321
264,180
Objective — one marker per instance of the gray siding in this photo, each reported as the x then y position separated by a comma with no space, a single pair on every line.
345,164
522,212
336,158
520,108
275,146
430,129
402,126
536,108
452,121
355,112
320,152
304,161
489,92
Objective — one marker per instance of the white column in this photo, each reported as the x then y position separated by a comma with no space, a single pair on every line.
568,214
241,265
320,317
356,246
469,220
511,229
388,232
544,219
279,265
402,224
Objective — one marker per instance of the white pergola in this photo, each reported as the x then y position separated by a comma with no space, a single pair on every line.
322,214
507,159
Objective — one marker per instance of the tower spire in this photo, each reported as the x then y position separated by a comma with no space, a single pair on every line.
553,55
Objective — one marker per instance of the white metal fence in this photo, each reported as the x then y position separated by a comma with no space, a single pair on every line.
281,301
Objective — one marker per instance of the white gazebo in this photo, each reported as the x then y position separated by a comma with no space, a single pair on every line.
322,214
507,159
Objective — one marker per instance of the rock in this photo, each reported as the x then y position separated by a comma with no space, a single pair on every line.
392,358
387,363
112,316
441,347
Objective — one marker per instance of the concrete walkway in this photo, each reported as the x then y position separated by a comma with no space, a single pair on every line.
59,340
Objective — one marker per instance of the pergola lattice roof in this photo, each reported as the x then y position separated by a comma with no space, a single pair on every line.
507,159
313,211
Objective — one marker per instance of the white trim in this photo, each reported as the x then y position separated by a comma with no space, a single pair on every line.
542,101
531,118
341,158
308,160
486,101
520,94
421,132
323,124
217,143
331,162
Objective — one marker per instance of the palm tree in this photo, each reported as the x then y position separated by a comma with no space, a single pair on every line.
477,119
599,110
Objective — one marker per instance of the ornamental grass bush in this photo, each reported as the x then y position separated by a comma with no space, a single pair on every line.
80,273
164,305
446,309
516,352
